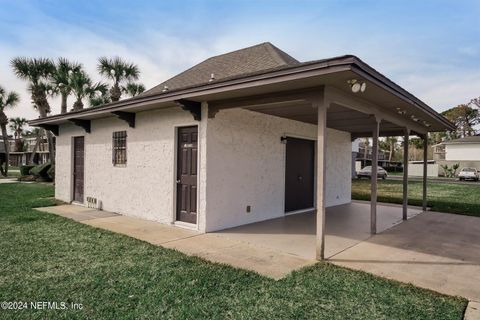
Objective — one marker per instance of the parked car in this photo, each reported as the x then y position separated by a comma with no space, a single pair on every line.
366,172
468,174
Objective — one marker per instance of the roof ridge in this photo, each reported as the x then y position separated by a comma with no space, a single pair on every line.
278,53
235,51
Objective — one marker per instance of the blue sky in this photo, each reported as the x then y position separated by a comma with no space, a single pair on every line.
430,47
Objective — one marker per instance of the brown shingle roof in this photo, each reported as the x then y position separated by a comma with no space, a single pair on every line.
261,57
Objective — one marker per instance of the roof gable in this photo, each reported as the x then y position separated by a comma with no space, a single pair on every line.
261,57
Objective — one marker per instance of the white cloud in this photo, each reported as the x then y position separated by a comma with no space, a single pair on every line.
418,67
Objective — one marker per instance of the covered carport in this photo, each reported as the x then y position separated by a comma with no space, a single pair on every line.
360,101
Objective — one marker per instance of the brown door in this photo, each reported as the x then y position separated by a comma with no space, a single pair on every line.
78,168
299,174
187,151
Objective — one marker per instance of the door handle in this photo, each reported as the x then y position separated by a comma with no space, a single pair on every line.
178,181
300,178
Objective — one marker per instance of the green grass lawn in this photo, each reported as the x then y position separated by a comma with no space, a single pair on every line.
441,196
11,174
44,257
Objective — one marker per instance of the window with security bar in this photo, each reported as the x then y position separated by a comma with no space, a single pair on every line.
119,149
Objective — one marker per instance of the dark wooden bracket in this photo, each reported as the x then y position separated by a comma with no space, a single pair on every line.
212,112
128,117
85,124
194,107
51,127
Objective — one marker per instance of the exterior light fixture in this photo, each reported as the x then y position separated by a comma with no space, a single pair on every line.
357,86
165,88
400,111
212,77
427,124
414,118
363,87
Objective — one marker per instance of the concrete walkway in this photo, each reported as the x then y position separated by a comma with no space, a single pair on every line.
437,251
212,247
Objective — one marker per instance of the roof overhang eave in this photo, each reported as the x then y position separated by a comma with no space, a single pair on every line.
348,63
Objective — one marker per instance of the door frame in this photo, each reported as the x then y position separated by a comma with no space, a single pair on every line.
188,225
284,169
72,168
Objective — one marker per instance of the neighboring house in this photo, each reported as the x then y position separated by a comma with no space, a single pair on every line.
20,153
464,151
242,137
363,158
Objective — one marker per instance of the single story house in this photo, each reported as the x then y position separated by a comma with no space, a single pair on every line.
464,151
239,138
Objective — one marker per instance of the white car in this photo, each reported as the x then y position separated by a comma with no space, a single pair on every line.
468,174
367,173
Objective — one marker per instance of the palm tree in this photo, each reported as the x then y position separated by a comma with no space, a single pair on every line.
38,134
98,100
83,87
16,125
60,79
37,71
132,89
9,99
117,70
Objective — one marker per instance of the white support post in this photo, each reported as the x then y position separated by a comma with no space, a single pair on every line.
405,174
322,106
374,178
425,164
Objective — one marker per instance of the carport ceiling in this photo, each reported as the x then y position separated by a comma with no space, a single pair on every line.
338,117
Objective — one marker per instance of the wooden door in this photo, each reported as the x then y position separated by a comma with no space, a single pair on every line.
187,151
299,174
78,168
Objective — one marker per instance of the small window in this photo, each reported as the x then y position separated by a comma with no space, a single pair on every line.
119,150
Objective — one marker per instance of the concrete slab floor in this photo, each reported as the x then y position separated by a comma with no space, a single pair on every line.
346,226
473,311
211,247
438,251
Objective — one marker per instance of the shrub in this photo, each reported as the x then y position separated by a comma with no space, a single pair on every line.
41,170
25,170
450,172
51,172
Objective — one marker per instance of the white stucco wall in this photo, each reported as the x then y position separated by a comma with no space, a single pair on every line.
462,152
241,161
246,166
145,186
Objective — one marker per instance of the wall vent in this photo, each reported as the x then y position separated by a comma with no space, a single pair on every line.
94,203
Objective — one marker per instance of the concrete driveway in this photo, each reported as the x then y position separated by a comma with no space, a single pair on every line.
437,251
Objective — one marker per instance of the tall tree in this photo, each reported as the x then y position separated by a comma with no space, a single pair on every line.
83,87
37,71
16,125
465,119
392,143
60,80
7,99
39,135
132,89
475,102
119,71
